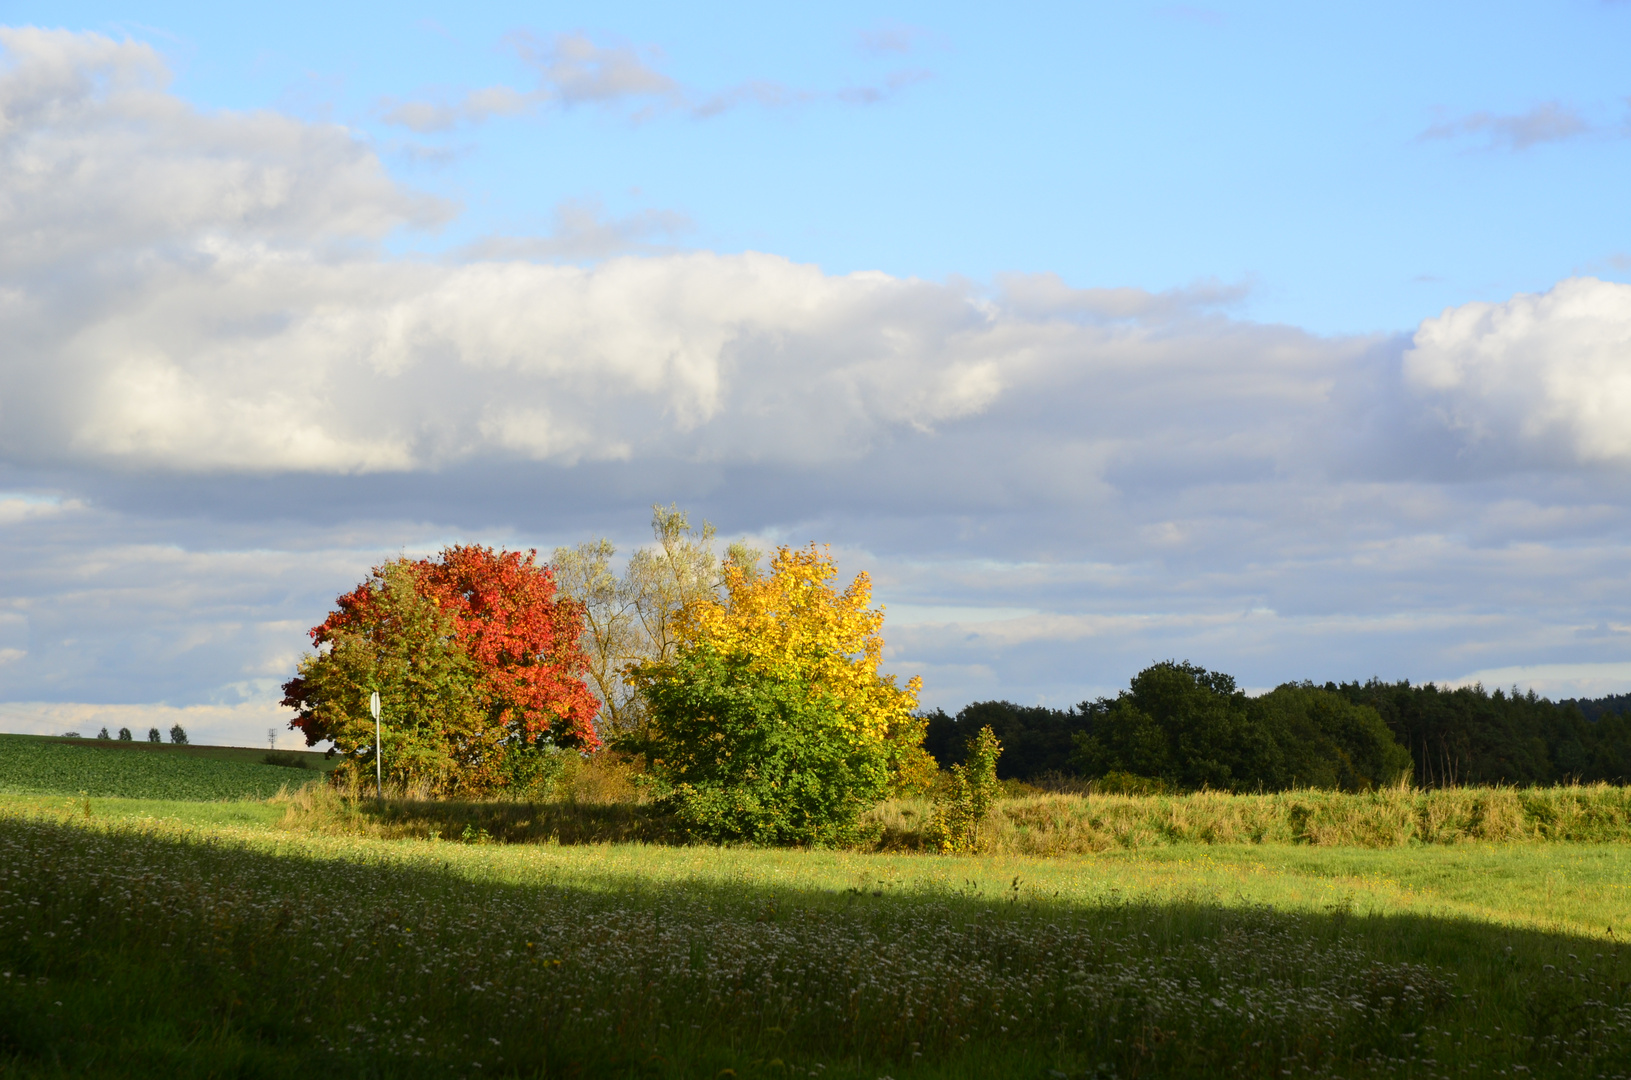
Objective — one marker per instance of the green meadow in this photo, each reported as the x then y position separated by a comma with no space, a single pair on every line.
42,765
275,936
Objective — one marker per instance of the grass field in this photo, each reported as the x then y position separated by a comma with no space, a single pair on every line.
42,765
175,938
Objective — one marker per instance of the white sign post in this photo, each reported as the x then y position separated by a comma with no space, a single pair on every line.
379,748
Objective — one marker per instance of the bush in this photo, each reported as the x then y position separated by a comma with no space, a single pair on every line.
771,722
178,735
954,826
743,755
532,771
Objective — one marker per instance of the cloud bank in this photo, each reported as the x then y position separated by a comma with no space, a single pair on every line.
222,399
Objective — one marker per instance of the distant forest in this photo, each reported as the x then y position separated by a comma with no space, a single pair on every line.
1182,727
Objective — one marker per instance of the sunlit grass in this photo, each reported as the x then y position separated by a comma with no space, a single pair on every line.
30,765
181,939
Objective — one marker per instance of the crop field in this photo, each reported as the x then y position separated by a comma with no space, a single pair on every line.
32,765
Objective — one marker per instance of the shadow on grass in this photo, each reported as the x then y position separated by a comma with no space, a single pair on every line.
140,953
323,810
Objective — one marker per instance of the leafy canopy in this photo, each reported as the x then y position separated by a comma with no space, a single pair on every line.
1190,728
771,722
476,663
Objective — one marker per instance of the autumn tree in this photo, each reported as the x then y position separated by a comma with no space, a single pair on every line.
476,662
632,620
770,721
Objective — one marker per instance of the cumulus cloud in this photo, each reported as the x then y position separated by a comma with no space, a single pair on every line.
1540,378
249,324
1549,121
222,400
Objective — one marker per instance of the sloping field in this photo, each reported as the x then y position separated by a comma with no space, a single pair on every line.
34,765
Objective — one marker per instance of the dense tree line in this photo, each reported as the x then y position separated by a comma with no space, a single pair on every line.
1187,728
1473,736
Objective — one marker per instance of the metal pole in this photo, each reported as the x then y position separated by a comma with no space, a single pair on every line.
379,748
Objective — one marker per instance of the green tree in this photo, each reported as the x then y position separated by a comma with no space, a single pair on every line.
435,732
1183,725
1327,741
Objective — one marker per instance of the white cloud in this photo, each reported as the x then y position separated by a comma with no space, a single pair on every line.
21,507
228,320
99,159
472,107
584,232
240,402
1543,378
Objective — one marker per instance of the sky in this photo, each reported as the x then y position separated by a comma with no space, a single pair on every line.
1291,341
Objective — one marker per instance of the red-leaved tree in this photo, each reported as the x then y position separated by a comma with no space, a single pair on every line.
475,658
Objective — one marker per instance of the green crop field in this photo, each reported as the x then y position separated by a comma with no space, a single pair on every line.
37,765
142,937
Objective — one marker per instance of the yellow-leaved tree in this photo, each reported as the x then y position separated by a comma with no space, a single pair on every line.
771,721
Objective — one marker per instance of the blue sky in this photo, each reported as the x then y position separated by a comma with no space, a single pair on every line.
1285,148
1294,341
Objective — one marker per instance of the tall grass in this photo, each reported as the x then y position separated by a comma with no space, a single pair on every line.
1076,824
1026,825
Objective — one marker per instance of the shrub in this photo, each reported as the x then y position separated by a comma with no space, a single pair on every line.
178,735
771,722
954,825
744,755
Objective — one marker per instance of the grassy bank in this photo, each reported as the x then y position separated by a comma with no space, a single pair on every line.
159,949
